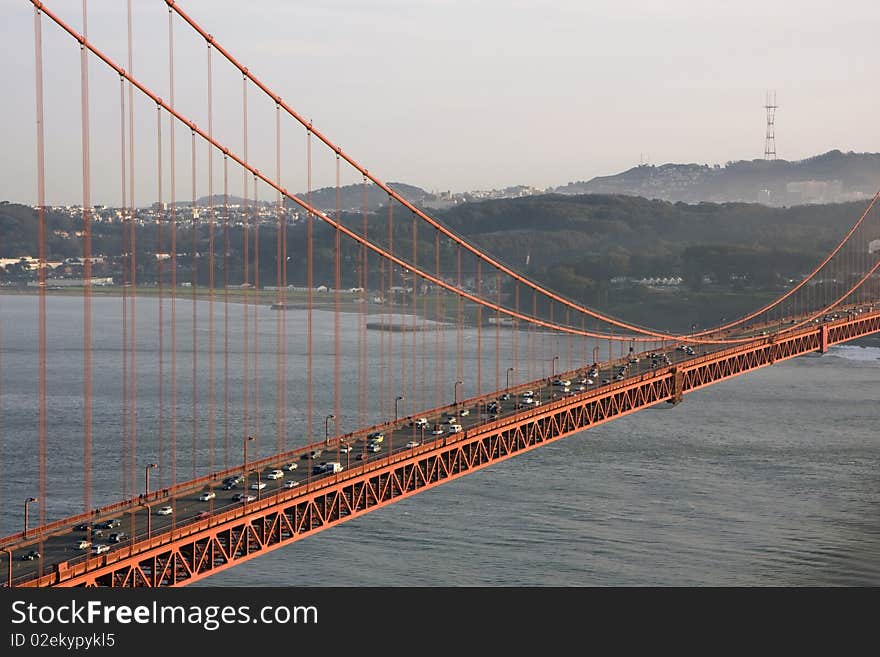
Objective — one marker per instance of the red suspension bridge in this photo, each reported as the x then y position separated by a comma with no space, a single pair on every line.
232,396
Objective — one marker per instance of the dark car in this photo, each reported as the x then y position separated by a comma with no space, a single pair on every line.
82,527
110,524
116,537
30,556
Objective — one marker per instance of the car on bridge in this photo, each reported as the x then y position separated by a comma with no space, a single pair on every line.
116,537
455,428
166,510
290,467
292,483
413,443
438,431
376,436
345,449
30,556
464,412
82,545
98,548
111,524
258,485
275,474
242,497
201,515
207,495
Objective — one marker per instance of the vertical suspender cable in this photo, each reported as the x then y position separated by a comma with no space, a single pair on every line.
479,329
498,330
160,274
41,222
280,377
459,331
440,323
309,282
194,281
225,311
255,293
514,342
87,292
246,275
414,315
173,284
125,256
284,282
132,370
337,283
362,329
211,219
389,297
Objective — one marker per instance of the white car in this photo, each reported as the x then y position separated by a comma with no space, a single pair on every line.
438,431
257,485
454,428
207,495
275,474
421,422
345,449
164,511
413,443
98,548
464,412
293,483
82,545
290,467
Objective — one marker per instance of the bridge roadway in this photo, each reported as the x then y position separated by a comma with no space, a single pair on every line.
139,519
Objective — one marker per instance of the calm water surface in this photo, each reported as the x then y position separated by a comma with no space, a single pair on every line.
769,479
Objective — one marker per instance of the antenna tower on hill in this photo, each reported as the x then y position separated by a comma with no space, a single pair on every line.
770,137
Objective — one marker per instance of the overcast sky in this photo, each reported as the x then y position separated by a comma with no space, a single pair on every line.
453,94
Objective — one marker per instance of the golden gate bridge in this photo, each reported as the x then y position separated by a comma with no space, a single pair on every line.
525,366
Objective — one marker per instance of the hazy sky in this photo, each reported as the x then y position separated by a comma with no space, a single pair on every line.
452,94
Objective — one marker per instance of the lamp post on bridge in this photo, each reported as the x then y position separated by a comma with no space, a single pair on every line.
149,519
147,469
26,504
399,399
247,439
327,429
8,552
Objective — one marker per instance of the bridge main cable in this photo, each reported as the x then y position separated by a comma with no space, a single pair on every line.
173,5
692,337
85,43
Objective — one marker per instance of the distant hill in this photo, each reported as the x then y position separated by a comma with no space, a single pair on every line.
833,177
351,197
